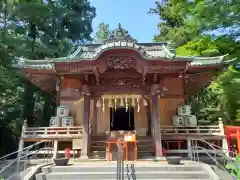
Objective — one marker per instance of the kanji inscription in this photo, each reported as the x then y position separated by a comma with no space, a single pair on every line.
120,62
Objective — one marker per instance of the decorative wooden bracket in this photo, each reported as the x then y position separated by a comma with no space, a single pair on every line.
155,77
97,74
144,73
157,89
84,90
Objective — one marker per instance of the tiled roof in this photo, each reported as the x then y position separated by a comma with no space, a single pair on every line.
120,39
41,64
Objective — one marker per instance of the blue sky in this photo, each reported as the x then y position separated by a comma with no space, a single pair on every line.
132,14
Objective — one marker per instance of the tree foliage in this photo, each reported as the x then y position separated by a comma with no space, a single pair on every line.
102,33
182,21
206,28
35,30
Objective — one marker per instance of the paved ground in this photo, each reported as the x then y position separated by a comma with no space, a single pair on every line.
95,162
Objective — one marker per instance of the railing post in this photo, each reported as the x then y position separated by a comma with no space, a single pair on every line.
221,126
223,137
189,147
55,148
120,162
21,141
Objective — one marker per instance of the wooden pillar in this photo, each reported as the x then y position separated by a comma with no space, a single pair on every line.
21,142
225,145
238,141
156,127
58,92
224,140
85,135
94,128
185,93
228,142
149,118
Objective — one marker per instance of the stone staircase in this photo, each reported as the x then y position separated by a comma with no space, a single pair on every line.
145,147
98,147
149,170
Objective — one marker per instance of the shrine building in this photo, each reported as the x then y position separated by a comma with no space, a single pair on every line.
123,89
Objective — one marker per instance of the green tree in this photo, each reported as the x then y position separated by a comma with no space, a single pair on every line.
183,21
193,26
35,30
222,97
172,25
52,27
102,34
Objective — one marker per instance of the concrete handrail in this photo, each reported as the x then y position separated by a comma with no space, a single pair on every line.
21,150
25,155
213,146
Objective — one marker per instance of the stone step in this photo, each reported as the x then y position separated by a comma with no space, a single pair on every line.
97,158
140,138
98,147
112,168
138,175
98,154
145,179
144,151
142,155
98,138
98,144
145,144
145,147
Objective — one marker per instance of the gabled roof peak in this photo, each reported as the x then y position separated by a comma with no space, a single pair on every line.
120,34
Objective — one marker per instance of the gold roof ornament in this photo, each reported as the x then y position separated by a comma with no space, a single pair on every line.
115,101
133,102
121,102
126,101
110,102
78,101
138,106
103,106
98,104
145,102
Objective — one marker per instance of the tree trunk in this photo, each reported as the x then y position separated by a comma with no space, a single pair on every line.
28,103
48,110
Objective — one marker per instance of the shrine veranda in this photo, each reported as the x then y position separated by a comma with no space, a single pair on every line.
123,89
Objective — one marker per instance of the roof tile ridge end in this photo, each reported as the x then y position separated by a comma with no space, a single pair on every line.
73,55
168,53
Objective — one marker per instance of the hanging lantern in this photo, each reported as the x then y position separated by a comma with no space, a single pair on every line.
133,102
129,119
98,104
115,103
112,122
145,102
103,108
121,102
58,85
126,101
110,102
138,106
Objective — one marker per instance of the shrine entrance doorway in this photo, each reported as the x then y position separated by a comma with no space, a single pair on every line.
122,119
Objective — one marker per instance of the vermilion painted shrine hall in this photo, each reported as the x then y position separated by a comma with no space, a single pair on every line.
123,89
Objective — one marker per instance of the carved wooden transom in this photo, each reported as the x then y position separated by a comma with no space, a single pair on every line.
119,62
122,82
